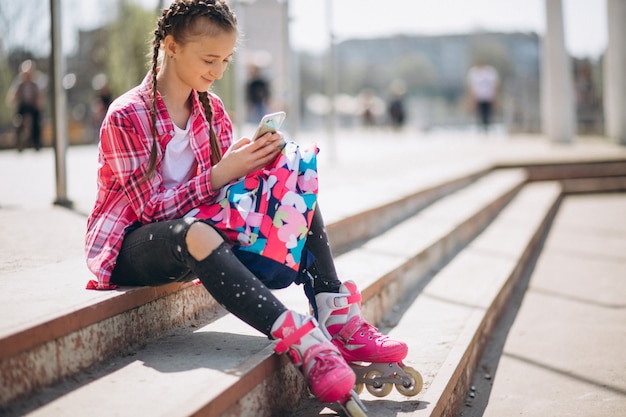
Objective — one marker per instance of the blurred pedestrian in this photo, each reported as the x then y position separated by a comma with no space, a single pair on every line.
482,87
27,96
368,107
101,102
257,94
397,113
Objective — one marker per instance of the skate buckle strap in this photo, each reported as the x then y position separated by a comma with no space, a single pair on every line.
350,328
340,301
283,344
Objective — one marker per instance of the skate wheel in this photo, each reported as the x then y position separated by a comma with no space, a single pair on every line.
377,389
354,409
416,383
358,387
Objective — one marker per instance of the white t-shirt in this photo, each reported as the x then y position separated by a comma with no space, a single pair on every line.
179,161
483,81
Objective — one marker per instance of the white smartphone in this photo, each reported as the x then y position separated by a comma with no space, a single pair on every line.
269,123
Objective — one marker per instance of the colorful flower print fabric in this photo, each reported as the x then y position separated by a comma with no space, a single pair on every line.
269,212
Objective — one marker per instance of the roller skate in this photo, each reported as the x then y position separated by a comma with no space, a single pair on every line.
375,358
329,378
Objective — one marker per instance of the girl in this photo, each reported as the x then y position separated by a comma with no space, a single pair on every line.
166,148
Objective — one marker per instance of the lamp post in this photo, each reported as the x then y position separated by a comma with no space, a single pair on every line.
331,83
59,109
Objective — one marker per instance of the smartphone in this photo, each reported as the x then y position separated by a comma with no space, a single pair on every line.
269,123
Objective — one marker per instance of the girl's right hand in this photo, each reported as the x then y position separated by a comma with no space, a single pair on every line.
245,156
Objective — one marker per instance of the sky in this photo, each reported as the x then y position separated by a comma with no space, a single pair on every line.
584,20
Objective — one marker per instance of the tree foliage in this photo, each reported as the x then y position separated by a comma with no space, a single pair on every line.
6,77
129,46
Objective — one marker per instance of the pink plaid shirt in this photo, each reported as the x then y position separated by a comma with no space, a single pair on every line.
124,150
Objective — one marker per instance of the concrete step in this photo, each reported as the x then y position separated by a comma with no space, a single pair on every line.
63,329
447,321
457,310
227,368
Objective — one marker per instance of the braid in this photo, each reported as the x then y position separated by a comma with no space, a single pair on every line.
156,44
216,150
179,21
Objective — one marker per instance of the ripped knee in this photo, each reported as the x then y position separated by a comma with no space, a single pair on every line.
201,240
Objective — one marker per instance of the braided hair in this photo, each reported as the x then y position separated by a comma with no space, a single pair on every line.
182,20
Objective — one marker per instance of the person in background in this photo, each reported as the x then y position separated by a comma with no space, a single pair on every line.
482,87
101,101
26,94
396,108
257,94
368,107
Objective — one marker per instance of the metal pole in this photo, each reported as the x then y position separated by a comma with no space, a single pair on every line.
240,97
239,75
331,83
291,84
58,105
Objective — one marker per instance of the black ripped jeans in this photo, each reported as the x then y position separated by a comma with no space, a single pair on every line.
156,254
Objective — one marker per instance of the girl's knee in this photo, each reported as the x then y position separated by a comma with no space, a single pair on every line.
201,240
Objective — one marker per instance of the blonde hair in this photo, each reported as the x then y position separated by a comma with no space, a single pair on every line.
181,21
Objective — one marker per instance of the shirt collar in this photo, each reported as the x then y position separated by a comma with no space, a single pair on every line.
164,124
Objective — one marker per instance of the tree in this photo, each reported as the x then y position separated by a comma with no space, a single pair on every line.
417,71
25,25
6,77
129,46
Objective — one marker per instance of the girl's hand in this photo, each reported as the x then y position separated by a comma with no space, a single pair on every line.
245,156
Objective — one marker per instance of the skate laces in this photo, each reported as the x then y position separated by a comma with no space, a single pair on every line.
371,332
359,333
329,376
354,325
320,359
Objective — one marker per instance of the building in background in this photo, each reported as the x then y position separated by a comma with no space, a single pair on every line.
434,70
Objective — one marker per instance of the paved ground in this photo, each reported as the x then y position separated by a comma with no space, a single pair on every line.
564,354
559,351
358,169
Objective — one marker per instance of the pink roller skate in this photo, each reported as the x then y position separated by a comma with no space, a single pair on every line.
330,379
375,358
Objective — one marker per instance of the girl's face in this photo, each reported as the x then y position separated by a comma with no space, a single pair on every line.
204,58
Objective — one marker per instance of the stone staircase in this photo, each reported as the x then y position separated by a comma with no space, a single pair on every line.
435,268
